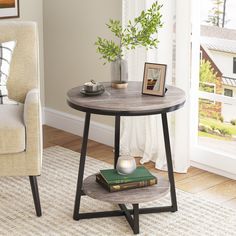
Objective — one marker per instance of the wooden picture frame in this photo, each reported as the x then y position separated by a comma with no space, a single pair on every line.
9,9
154,77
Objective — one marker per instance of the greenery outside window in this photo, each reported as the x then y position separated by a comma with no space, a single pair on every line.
207,87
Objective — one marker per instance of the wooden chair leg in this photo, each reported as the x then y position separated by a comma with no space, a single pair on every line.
35,193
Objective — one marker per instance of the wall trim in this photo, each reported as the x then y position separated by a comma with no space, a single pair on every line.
74,124
213,170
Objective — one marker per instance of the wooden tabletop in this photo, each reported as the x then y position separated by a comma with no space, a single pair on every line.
133,196
126,102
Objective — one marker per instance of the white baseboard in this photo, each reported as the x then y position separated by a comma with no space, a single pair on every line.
74,124
213,170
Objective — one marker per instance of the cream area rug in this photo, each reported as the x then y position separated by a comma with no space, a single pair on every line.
57,184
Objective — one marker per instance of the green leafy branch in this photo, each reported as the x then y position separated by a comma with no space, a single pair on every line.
141,32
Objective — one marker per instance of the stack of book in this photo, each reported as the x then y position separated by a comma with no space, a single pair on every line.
113,182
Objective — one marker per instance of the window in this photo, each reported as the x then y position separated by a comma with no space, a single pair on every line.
234,65
228,92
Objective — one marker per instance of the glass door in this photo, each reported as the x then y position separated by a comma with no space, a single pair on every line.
213,87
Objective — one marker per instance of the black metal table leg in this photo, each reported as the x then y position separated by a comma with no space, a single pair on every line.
136,219
117,140
169,162
79,191
133,221
127,214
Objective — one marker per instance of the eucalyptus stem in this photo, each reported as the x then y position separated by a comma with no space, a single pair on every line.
141,32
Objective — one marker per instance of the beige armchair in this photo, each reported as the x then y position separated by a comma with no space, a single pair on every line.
20,125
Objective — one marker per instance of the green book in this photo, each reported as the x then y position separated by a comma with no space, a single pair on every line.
140,174
124,186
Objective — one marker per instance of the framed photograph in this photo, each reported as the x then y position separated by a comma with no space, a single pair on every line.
154,79
9,9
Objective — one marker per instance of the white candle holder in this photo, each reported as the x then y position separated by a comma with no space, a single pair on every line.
126,165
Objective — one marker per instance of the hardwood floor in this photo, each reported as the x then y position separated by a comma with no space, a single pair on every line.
211,186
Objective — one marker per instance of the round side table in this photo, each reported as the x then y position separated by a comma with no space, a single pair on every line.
117,103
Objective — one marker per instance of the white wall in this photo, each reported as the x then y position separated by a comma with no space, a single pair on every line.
70,29
225,62
229,110
32,10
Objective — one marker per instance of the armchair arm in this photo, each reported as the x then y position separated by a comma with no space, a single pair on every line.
33,124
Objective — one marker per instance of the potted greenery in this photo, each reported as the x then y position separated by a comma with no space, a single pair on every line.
141,32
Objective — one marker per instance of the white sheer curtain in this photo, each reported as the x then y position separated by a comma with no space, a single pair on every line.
143,136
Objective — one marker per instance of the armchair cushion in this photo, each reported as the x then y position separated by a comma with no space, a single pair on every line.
6,51
12,129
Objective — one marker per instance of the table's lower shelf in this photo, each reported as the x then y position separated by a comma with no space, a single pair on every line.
133,196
